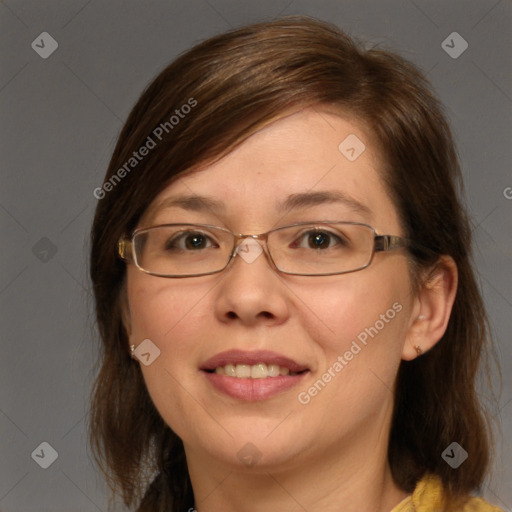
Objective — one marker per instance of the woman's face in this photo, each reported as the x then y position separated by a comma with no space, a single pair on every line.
346,331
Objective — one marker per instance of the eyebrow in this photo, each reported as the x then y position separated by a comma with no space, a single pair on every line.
309,199
297,201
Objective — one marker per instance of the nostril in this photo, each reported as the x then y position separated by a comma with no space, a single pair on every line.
232,314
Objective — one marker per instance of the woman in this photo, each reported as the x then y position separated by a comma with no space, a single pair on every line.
284,291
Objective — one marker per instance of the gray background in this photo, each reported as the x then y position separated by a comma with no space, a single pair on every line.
60,117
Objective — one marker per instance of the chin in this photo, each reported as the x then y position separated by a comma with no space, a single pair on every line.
257,448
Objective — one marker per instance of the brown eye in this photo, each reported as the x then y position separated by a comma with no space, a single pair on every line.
189,241
318,240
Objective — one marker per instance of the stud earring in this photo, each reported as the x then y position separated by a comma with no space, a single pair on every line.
418,350
132,350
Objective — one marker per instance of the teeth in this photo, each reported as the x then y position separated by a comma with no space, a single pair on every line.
256,371
243,371
273,370
229,370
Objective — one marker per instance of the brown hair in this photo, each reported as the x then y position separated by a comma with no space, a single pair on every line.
238,82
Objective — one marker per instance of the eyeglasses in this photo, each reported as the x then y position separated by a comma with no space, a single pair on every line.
320,248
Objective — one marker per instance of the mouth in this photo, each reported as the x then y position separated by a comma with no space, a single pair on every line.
255,371
251,376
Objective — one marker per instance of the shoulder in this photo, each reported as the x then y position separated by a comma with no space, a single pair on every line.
428,497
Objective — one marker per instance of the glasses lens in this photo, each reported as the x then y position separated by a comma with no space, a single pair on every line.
180,250
322,248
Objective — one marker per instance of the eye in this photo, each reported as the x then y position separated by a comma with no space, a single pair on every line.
189,241
316,239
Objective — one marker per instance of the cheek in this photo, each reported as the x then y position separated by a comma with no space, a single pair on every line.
170,317
359,328
162,312
174,317
365,319
360,308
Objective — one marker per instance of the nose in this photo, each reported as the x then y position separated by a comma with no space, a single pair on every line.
251,291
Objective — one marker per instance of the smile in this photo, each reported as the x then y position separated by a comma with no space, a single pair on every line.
252,375
255,371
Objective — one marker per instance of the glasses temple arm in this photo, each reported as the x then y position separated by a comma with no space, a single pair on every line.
389,242
124,248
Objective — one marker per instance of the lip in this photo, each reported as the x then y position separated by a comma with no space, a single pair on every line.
251,358
252,389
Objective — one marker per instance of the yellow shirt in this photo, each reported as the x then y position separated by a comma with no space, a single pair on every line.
427,497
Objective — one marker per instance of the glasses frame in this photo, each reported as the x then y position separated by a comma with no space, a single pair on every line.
381,243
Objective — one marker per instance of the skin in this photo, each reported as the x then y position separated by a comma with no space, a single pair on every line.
332,450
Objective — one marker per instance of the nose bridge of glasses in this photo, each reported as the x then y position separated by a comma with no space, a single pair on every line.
239,239
249,247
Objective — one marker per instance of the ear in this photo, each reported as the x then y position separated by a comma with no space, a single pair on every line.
432,308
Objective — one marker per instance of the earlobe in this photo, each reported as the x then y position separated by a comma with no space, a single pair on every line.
433,308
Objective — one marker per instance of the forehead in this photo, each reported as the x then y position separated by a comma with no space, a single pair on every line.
294,161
